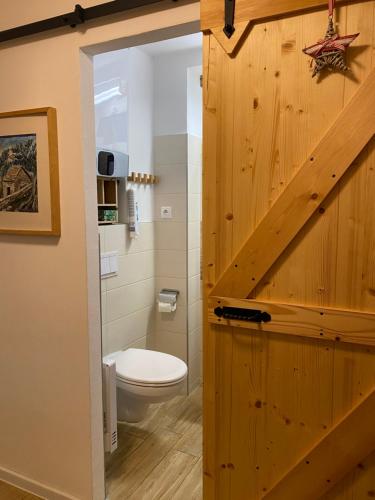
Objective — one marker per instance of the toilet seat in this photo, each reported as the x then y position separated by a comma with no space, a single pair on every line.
145,368
145,377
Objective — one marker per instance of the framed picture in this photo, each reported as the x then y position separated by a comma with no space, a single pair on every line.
29,173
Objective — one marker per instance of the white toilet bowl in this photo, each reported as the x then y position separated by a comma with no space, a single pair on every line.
144,377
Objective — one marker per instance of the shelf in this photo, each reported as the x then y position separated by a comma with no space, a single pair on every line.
108,202
108,178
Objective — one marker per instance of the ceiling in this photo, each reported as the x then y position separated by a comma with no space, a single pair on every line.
154,49
193,41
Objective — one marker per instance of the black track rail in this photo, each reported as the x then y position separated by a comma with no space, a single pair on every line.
73,19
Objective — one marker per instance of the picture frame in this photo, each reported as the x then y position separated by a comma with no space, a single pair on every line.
29,173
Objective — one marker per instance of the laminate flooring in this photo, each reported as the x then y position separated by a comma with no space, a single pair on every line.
8,492
160,458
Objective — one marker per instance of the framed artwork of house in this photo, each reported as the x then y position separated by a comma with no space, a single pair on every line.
29,173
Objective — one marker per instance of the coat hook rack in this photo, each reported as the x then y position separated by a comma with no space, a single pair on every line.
139,178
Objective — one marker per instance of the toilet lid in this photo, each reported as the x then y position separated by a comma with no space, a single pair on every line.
143,367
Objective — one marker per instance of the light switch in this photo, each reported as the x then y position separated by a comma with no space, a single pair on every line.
104,266
113,264
109,264
166,212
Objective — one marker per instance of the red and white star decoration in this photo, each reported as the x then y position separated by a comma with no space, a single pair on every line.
330,52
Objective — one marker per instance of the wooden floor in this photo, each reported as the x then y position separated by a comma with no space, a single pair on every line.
8,492
161,458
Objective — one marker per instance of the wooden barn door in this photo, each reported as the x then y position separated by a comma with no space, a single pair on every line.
289,231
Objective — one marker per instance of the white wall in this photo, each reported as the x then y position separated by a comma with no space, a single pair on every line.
170,98
125,122
129,315
111,74
194,101
50,353
141,96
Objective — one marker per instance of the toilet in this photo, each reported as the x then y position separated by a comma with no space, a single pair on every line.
144,377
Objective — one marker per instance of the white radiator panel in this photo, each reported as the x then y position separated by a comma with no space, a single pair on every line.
110,406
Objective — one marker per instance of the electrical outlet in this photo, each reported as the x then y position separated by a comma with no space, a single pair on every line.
166,212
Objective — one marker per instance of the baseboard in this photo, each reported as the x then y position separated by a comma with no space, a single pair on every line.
31,486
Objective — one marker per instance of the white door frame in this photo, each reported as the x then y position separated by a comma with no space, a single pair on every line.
176,29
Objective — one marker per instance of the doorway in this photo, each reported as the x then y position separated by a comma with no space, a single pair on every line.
148,108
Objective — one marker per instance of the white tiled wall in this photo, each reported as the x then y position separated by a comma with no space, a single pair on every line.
194,260
170,153
128,300
178,248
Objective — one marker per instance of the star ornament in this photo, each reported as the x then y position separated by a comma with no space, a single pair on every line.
329,53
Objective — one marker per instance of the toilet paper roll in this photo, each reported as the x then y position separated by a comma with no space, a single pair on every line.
166,307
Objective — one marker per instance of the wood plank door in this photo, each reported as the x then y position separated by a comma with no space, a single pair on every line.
289,230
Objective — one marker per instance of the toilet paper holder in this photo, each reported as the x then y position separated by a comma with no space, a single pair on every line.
169,296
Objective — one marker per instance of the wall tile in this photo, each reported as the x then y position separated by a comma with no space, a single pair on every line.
179,284
175,322
170,263
195,372
194,235
103,285
102,232
120,324
195,315
144,241
104,307
170,149
128,299
170,236
194,289
195,342
172,179
178,202
145,198
132,268
171,343
195,150
115,237
140,343
105,348
194,207
194,179
194,262
130,328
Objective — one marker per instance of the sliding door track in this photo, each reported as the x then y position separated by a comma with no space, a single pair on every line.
73,19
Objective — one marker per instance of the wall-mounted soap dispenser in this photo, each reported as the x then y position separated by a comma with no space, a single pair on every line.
133,213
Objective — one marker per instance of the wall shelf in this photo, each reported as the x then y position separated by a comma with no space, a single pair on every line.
107,190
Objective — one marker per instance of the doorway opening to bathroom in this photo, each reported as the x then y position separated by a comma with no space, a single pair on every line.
148,123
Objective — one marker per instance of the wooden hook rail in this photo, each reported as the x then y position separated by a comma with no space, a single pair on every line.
139,178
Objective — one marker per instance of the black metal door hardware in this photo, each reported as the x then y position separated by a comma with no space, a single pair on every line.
229,28
253,315
73,19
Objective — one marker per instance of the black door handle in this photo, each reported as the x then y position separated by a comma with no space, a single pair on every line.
252,315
